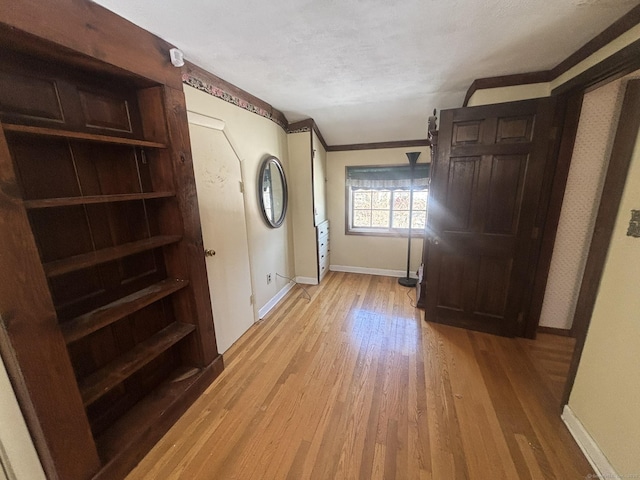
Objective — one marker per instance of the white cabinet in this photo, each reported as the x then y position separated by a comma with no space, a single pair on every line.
322,235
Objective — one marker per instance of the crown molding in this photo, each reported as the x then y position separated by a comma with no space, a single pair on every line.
380,145
620,26
308,125
613,31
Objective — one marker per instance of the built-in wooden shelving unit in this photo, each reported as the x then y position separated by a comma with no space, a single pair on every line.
107,340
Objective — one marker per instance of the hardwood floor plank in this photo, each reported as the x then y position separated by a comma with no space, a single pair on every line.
354,384
485,449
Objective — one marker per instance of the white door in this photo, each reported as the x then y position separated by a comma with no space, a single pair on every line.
224,230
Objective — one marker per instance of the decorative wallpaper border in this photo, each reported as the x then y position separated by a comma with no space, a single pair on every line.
193,80
200,79
300,130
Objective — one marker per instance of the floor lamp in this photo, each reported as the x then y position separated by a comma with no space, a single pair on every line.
408,281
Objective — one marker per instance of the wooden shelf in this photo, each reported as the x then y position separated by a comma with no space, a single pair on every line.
88,323
92,199
124,443
100,382
92,137
78,262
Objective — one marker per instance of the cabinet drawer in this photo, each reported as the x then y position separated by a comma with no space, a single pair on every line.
323,254
323,243
322,229
323,266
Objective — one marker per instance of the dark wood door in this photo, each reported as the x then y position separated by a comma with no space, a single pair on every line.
486,188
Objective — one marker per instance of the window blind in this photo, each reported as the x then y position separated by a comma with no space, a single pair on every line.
389,177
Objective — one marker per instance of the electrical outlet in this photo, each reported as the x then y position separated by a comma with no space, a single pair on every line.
268,278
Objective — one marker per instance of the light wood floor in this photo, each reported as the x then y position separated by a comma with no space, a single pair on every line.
353,384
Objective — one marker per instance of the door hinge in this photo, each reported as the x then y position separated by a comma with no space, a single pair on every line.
251,299
241,187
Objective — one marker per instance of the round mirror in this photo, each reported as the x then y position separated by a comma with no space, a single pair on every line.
272,191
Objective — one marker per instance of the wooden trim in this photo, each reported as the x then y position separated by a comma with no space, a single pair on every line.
309,124
301,126
506,81
319,134
563,332
199,78
194,301
572,109
620,159
306,125
620,26
611,68
377,146
90,36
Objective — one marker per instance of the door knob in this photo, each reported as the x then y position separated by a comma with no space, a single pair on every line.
209,253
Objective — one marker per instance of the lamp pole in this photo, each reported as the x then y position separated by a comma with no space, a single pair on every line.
408,281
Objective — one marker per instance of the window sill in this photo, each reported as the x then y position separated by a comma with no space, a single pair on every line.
415,233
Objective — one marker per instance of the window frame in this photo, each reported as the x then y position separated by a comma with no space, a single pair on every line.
375,231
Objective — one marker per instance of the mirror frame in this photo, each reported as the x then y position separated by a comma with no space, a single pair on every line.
272,160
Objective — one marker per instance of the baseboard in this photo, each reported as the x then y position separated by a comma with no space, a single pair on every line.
274,301
307,280
591,450
370,271
555,331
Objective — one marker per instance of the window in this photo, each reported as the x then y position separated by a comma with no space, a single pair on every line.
378,199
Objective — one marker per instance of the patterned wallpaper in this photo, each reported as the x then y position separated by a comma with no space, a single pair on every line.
594,139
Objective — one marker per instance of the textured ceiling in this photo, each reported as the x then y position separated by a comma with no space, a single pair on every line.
370,70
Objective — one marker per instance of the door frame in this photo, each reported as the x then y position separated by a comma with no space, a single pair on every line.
620,159
567,117
571,93
617,65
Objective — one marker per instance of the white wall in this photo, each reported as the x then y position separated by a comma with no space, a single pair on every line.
17,453
512,93
270,250
606,393
301,201
360,253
